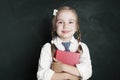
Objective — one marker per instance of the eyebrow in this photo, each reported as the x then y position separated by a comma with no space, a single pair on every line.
69,19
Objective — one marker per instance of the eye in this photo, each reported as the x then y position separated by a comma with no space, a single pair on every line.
71,22
60,22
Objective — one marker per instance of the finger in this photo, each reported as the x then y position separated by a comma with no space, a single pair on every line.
55,59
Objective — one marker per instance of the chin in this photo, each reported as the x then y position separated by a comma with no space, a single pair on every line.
67,37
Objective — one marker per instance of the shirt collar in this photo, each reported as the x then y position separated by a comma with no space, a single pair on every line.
59,41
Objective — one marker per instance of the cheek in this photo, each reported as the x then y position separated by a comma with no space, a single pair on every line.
58,30
57,27
74,28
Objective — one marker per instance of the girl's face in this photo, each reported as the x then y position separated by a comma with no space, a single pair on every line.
66,24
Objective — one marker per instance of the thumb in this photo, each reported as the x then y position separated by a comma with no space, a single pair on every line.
55,59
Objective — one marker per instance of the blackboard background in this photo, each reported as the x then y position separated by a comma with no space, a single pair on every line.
25,27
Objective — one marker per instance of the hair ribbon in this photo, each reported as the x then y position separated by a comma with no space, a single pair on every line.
55,12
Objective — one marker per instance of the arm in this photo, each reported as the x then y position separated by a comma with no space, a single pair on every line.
44,72
64,76
59,67
71,70
85,67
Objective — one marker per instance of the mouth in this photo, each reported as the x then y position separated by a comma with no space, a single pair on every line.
65,31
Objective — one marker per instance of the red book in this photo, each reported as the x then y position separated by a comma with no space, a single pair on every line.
70,58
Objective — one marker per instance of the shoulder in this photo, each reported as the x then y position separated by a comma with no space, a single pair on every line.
84,46
46,46
46,49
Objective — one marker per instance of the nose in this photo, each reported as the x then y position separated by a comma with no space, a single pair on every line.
65,25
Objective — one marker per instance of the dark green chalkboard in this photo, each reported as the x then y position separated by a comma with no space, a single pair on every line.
25,27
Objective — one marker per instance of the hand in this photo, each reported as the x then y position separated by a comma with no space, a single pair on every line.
57,66
74,78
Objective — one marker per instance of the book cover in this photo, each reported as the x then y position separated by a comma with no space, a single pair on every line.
70,58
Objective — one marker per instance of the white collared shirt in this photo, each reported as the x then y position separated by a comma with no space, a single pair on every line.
45,72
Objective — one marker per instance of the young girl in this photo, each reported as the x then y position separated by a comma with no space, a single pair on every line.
64,28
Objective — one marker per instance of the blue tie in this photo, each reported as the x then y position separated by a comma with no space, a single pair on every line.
66,45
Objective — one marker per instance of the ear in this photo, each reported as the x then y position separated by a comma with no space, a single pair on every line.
54,29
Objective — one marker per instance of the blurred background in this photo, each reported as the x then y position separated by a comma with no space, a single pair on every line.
25,28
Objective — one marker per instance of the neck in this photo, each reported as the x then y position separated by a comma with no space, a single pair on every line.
65,39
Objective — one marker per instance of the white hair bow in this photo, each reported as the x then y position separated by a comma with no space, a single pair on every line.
55,12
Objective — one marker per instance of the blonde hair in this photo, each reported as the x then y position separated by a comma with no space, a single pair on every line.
54,20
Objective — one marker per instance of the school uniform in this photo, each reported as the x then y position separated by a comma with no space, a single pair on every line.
45,72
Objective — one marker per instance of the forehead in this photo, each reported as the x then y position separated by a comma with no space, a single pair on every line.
66,14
